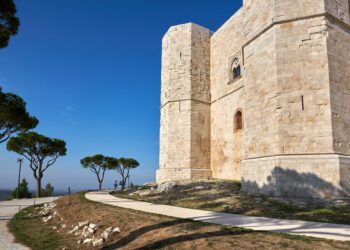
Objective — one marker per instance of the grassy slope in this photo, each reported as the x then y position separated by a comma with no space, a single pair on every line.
224,196
31,232
148,231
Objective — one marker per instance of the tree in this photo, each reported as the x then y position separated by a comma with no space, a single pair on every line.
9,23
23,190
13,116
48,191
98,164
123,169
41,152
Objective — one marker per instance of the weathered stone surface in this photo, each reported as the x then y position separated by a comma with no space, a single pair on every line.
75,229
150,184
88,241
47,208
83,224
166,186
107,233
293,95
97,242
94,227
47,219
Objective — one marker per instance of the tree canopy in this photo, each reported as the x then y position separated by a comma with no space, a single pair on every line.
23,191
123,169
14,116
98,164
9,23
41,152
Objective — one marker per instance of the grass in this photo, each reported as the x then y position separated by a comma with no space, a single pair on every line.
224,196
320,211
148,231
30,231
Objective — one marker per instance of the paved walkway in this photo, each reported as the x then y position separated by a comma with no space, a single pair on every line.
314,229
7,210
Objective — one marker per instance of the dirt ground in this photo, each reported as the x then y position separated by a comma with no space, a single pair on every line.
147,231
224,196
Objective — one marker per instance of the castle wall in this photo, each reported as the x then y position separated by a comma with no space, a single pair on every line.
294,94
251,37
229,146
339,70
185,110
303,113
308,134
200,78
298,9
339,9
295,176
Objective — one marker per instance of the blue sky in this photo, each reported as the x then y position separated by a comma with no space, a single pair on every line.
89,70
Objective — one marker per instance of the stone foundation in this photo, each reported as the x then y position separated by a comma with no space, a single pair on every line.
313,176
178,174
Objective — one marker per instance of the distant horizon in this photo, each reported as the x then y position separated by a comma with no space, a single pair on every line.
90,73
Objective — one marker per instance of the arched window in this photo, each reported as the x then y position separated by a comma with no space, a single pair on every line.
238,120
236,68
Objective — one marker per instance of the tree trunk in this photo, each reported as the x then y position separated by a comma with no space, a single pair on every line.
38,188
100,185
122,183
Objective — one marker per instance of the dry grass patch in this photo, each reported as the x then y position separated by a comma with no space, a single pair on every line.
224,196
147,231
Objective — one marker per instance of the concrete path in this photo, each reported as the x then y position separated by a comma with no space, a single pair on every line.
314,229
7,210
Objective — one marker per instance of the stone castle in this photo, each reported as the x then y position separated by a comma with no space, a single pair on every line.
265,99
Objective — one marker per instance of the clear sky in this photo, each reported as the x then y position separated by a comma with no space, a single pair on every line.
89,70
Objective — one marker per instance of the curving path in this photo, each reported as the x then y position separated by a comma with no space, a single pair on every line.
7,210
296,227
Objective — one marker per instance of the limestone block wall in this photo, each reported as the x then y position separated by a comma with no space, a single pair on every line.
344,166
312,68
185,104
294,94
229,95
230,40
297,176
339,72
274,47
339,9
294,9
303,111
200,79
261,98
227,145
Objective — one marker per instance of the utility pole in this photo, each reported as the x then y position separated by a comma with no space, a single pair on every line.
20,161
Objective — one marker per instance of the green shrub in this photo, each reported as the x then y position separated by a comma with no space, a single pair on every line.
23,190
48,191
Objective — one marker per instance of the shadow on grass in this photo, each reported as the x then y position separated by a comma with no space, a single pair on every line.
134,235
141,231
191,237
